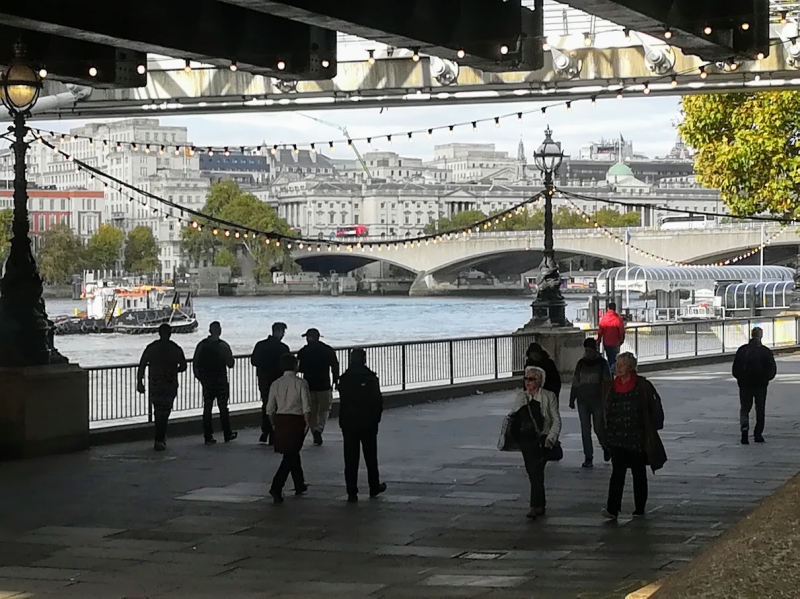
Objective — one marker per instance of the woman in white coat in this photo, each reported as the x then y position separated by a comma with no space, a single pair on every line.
536,426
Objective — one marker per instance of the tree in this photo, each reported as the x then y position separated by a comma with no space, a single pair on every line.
459,220
6,219
748,147
608,217
60,255
225,257
227,202
102,251
141,251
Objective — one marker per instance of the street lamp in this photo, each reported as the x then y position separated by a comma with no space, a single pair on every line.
549,307
26,336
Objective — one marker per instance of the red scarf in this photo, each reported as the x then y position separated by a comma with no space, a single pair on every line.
621,386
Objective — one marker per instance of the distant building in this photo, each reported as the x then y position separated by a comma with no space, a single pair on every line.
477,163
287,165
244,169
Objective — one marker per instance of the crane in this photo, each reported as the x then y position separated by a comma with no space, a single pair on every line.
352,144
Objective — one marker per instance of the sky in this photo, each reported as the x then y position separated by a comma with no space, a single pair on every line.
647,121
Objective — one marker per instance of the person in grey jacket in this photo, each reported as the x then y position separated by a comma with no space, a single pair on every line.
538,406
590,383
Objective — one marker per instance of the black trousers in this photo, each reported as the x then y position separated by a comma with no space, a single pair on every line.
356,440
621,461
162,408
534,464
747,397
220,393
290,464
266,423
590,412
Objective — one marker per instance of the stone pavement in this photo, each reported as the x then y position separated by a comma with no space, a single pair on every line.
123,522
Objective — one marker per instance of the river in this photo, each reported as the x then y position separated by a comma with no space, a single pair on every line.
343,321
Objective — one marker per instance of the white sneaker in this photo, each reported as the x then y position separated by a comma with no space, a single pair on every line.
607,515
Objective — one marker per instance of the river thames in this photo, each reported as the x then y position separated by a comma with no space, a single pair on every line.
343,321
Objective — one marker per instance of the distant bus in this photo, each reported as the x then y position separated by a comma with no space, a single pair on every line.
354,231
674,223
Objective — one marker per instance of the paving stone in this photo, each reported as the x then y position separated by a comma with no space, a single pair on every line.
463,580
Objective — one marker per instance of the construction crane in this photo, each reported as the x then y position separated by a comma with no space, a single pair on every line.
351,143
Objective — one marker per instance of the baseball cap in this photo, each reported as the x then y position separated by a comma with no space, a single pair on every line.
312,333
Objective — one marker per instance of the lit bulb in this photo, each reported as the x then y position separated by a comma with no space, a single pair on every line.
461,53
545,46
745,26
703,73
415,56
187,68
42,73
674,81
92,72
587,40
760,56
141,69
667,34
646,89
281,65
619,95
234,67
503,50
371,59
707,30
325,65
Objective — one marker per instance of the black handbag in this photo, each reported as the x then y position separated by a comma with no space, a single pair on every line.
554,453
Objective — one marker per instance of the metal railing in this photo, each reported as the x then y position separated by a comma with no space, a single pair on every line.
420,364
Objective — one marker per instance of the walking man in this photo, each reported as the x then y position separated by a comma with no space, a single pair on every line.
590,383
611,333
290,410
320,368
212,359
163,359
266,358
753,368
360,409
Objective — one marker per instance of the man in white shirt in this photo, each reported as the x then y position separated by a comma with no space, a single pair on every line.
289,409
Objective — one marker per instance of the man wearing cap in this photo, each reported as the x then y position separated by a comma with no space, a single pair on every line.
163,359
320,368
267,360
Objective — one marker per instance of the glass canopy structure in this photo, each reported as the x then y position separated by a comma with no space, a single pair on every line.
646,279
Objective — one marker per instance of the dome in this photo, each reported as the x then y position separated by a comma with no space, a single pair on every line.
620,170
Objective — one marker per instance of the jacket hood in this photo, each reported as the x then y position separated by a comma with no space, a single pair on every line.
540,371
535,347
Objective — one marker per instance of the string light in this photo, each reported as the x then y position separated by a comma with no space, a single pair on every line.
187,67
668,34
703,73
461,53
92,71
281,65
234,67
326,64
371,59
646,89
415,55
503,50
708,30
42,72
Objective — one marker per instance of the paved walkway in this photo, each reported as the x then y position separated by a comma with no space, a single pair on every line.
194,522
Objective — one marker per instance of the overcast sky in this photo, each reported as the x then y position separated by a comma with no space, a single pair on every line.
648,122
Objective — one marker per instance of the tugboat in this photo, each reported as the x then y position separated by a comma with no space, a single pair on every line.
130,309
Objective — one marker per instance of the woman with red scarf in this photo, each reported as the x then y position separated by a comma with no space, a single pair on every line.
633,416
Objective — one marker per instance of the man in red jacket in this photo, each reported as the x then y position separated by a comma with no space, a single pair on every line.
611,333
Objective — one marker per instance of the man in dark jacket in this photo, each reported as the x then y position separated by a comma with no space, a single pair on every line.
590,383
753,368
212,359
360,409
537,356
163,359
266,358
320,368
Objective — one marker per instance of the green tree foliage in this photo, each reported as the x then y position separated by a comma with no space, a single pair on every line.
225,257
102,250
226,201
748,147
141,251
60,255
458,221
6,218
566,218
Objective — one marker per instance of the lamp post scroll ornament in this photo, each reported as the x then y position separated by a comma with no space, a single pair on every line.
26,334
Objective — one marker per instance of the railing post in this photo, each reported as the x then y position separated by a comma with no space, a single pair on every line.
696,341
723,336
496,360
403,366
452,369
636,342
149,409
666,341
774,333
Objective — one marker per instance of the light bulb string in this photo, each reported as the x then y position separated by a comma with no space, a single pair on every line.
163,146
275,235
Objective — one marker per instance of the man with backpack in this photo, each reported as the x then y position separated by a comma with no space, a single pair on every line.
212,359
753,368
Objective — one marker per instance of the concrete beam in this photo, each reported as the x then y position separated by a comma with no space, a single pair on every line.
209,31
69,60
687,20
442,27
403,82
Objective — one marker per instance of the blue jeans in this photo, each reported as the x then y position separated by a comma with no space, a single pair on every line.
612,351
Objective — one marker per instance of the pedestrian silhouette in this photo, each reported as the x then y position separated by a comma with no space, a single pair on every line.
320,368
266,358
753,368
212,360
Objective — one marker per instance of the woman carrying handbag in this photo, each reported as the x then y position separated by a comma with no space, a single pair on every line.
535,425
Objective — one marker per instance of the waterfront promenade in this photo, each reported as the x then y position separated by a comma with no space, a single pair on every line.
123,522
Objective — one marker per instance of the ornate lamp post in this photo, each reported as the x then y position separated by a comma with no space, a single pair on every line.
549,307
26,337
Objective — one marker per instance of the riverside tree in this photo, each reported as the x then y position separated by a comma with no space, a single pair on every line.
103,248
748,147
141,251
61,254
228,202
6,218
